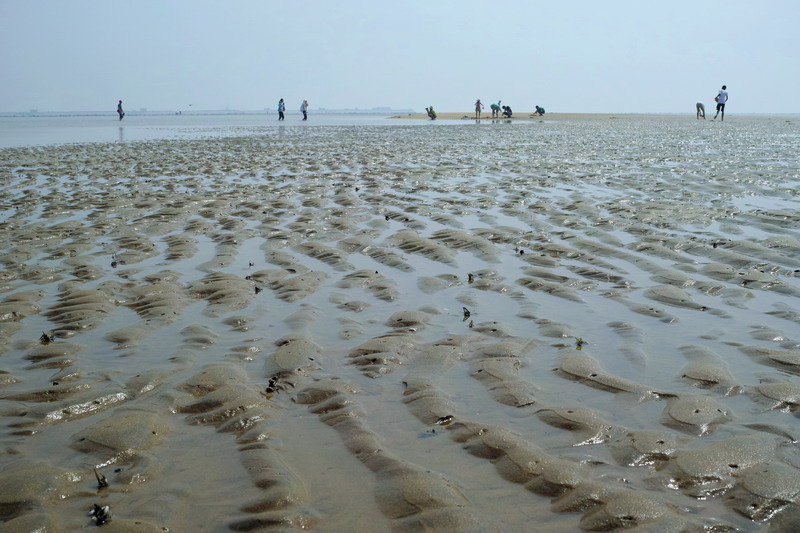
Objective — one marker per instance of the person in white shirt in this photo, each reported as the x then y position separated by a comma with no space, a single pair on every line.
701,110
721,99
304,109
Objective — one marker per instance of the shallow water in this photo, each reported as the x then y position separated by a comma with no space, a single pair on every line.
49,130
255,330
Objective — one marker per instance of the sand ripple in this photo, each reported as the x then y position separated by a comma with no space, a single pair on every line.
579,324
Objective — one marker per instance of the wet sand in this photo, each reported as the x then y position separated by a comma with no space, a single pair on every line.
585,323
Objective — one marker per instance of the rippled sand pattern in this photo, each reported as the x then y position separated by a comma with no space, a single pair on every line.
582,324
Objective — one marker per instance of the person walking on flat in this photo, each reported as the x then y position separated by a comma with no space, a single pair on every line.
478,107
701,110
721,99
304,109
281,109
120,112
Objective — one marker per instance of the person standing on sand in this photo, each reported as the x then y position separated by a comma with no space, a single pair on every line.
304,109
478,107
721,99
496,109
120,112
701,110
281,109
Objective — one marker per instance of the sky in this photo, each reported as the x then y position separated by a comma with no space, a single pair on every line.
567,56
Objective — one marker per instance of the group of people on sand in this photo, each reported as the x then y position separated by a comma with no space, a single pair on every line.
721,99
499,110
495,109
505,111
282,109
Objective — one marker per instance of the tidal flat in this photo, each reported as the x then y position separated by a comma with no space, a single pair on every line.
584,323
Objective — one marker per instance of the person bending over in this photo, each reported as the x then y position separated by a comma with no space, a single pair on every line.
701,110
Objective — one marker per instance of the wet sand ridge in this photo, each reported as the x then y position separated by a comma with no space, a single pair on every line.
573,323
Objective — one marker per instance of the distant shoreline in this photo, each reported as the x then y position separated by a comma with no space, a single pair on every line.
394,114
418,116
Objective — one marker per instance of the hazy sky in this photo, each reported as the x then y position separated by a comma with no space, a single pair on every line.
569,56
